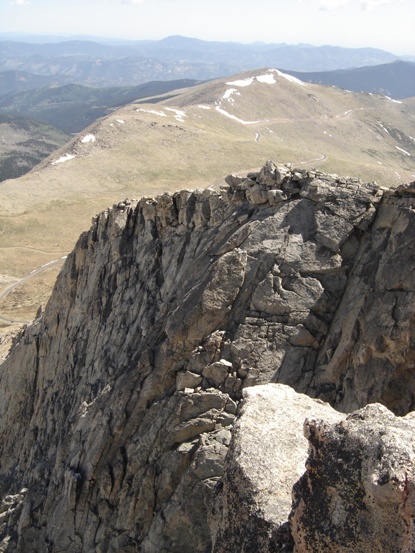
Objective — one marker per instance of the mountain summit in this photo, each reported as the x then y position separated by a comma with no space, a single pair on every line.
117,404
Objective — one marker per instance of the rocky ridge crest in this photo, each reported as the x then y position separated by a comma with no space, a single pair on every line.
117,404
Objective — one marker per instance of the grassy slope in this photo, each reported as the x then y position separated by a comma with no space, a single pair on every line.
137,153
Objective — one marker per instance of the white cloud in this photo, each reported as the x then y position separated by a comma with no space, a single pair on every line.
20,2
126,2
333,4
369,4
364,4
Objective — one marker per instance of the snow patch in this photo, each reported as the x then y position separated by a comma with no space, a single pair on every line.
268,79
152,111
64,158
290,78
203,107
403,151
88,138
392,100
229,93
179,114
383,127
242,82
223,112
120,121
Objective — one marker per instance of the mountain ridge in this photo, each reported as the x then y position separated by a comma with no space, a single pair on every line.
97,64
202,133
122,394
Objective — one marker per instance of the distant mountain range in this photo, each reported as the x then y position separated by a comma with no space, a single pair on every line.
396,79
131,63
71,84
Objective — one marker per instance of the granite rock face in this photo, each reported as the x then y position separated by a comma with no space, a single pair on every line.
266,457
358,493
117,404
368,354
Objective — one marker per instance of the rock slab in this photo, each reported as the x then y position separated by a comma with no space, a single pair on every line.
266,457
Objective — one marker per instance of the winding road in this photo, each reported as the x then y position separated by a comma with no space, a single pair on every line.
32,274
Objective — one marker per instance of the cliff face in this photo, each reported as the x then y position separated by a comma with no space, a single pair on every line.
117,404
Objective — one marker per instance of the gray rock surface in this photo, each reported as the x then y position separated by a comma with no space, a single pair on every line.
358,493
266,457
116,405
368,352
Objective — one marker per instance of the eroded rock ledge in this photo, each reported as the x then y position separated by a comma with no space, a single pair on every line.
117,404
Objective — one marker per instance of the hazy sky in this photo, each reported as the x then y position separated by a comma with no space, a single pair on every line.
386,24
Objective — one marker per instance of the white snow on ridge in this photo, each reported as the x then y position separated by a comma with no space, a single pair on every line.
268,79
403,151
203,107
153,111
242,82
64,158
290,78
223,112
383,127
88,138
229,93
179,114
392,100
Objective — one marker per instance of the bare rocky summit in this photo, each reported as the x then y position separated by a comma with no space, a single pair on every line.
120,404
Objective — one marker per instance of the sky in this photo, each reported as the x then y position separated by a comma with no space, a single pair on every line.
385,24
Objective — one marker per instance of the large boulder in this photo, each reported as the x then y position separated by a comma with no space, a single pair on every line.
266,457
358,493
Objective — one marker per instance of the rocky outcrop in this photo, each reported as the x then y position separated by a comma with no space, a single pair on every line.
368,353
266,457
358,493
117,404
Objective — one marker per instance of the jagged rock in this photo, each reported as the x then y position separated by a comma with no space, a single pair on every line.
102,415
358,493
368,353
266,457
